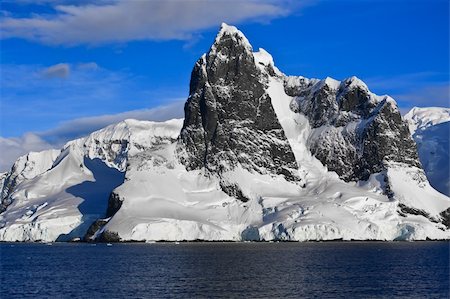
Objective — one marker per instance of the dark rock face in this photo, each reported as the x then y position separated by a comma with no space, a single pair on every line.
109,236
320,106
387,138
445,218
11,180
229,118
114,204
93,229
233,190
412,211
354,133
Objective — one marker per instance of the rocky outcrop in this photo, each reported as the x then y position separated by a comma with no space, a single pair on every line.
355,133
94,230
229,118
114,204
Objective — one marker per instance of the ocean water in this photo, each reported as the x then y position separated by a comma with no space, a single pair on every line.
226,270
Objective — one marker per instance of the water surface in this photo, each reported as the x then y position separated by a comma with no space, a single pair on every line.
228,270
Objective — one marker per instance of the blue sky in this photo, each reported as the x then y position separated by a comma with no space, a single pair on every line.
70,67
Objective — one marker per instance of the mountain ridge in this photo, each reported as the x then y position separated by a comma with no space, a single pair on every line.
259,156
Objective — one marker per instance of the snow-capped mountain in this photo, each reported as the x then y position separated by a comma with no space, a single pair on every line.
259,156
430,128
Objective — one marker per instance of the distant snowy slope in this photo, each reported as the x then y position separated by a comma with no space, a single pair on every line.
25,168
421,118
430,128
61,195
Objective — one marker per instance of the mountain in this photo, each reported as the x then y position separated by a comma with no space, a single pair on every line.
430,128
258,156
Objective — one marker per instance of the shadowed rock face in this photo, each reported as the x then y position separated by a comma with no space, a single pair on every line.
386,139
229,118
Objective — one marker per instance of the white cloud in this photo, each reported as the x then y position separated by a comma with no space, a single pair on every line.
60,70
14,147
122,21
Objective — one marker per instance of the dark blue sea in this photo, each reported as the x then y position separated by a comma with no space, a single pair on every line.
226,270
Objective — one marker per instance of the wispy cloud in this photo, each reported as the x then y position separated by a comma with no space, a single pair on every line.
123,20
88,66
402,81
430,96
39,97
60,70
14,147
422,89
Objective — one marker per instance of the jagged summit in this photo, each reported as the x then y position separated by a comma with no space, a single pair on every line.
228,31
229,42
229,118
354,82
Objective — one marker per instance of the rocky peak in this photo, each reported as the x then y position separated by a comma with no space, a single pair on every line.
355,132
229,118
228,38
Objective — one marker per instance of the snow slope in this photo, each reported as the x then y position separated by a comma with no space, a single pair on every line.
430,128
63,201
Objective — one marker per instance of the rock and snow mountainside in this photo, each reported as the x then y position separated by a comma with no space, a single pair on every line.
430,128
259,156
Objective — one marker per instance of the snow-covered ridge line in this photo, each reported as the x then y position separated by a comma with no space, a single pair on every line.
424,117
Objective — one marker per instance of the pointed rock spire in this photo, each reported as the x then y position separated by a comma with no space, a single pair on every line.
230,36
229,118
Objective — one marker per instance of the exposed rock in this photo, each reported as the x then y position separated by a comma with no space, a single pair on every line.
412,211
229,119
108,236
446,218
233,191
114,204
94,229
355,133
